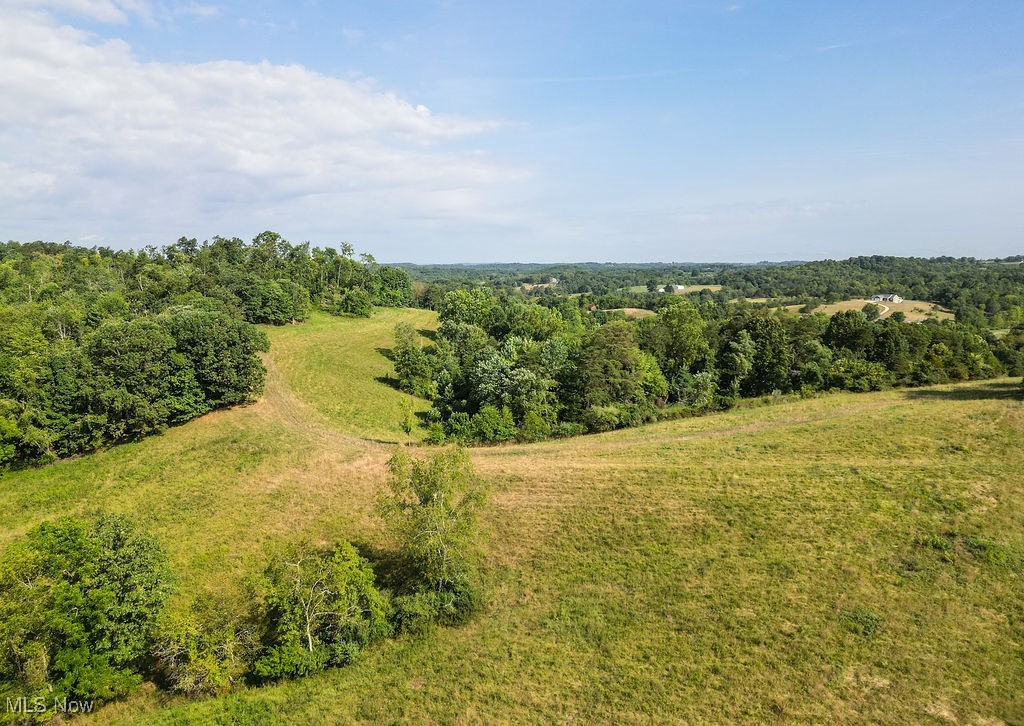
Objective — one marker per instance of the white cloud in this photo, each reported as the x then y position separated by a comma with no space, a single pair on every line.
197,10
95,142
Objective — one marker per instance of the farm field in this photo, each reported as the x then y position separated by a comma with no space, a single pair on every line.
689,289
829,559
633,312
916,310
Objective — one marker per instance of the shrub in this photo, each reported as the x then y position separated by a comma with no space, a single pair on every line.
534,427
492,425
601,418
210,649
354,301
862,621
432,508
78,608
320,609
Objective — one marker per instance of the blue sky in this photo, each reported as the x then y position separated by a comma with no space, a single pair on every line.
554,131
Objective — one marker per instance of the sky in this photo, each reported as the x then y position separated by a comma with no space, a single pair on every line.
449,131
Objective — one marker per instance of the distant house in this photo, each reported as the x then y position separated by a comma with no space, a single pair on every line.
887,297
661,288
552,280
677,288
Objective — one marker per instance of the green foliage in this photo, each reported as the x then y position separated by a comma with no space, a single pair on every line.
848,330
209,649
472,307
354,301
871,311
223,352
678,340
394,287
99,347
862,621
772,357
79,605
412,364
432,507
581,365
321,609
855,374
140,382
492,425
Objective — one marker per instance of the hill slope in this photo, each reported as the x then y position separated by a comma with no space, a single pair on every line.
850,556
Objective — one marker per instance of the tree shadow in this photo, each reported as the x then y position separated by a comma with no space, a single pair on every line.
392,570
388,353
428,334
995,390
389,381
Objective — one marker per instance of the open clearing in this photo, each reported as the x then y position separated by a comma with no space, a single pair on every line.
686,291
823,560
916,310
633,312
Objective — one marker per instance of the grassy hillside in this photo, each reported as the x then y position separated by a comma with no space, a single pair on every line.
855,556
338,366
916,311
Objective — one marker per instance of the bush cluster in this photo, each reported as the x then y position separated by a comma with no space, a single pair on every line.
82,604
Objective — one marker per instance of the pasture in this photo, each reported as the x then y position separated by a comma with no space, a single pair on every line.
829,559
916,311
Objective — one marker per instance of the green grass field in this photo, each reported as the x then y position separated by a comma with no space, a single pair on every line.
853,557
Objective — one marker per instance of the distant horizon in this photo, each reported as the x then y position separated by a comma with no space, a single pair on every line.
540,264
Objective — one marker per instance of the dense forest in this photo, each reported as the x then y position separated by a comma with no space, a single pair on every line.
99,346
506,368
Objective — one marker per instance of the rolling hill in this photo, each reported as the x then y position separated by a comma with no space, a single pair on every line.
846,557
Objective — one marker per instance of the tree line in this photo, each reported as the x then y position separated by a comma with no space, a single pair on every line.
505,368
99,346
83,603
983,293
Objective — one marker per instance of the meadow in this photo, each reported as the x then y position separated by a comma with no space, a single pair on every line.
845,557
916,311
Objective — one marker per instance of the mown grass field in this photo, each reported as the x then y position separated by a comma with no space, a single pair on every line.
916,311
689,289
854,557
633,312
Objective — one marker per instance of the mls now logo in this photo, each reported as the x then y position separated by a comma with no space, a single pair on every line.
25,705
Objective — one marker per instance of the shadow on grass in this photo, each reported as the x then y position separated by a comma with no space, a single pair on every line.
388,353
388,381
428,334
996,390
393,571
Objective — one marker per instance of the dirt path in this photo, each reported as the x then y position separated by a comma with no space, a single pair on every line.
281,405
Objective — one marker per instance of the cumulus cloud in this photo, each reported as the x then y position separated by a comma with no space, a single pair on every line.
94,141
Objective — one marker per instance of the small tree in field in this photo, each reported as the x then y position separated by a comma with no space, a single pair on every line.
871,311
432,507
321,609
